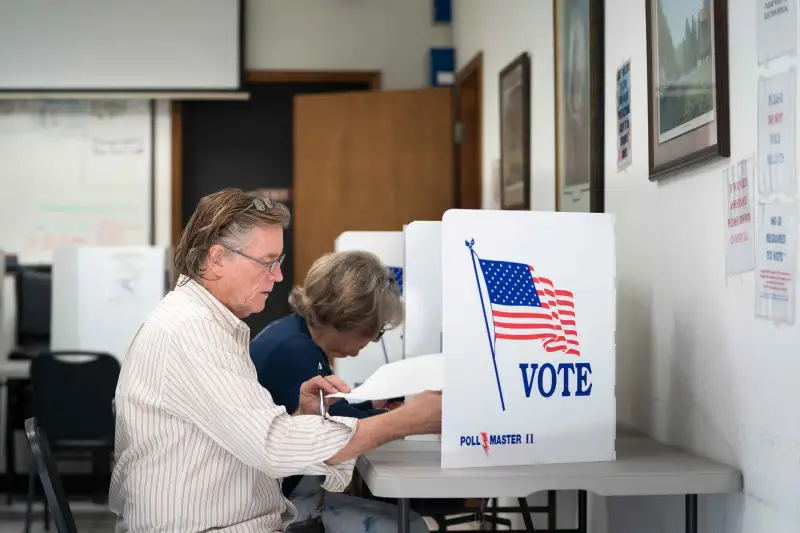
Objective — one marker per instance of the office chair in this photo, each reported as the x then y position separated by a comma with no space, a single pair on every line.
56,499
73,403
33,286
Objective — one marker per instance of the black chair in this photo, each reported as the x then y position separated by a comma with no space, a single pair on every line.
56,499
73,403
33,285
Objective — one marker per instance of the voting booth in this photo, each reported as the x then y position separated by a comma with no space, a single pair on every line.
423,288
529,311
388,246
101,295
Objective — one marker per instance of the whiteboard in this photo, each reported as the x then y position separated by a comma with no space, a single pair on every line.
74,173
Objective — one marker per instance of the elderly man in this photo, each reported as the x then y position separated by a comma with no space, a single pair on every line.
200,444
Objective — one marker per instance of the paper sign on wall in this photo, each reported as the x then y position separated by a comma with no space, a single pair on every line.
776,253
624,116
776,134
738,181
777,28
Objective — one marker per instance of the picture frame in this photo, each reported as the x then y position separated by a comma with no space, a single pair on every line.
687,86
515,133
579,35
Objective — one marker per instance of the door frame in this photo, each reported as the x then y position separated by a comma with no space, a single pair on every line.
474,67
371,77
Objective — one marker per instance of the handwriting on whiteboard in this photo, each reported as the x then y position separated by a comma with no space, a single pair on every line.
123,146
103,109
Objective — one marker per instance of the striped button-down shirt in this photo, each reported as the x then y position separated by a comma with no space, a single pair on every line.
200,445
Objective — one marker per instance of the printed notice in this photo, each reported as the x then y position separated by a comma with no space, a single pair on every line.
776,134
624,116
739,220
775,262
777,28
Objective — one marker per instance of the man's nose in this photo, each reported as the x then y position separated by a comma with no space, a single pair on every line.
277,274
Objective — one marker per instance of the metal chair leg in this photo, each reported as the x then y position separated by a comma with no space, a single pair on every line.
31,494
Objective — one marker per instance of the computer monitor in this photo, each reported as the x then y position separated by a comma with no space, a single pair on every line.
34,296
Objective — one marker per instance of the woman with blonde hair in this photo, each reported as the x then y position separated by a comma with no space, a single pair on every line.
348,299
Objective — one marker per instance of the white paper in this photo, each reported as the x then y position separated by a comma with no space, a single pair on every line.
401,378
738,183
624,116
777,28
775,262
776,134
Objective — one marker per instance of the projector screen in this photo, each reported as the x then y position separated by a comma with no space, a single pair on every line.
121,45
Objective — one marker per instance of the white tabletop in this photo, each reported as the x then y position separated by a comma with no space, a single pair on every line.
14,370
644,467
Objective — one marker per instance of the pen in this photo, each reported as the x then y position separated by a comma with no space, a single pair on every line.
321,397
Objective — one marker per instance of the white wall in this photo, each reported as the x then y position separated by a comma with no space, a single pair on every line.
701,371
388,35
503,31
694,367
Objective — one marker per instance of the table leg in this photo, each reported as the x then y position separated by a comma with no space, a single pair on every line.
551,510
691,513
526,515
403,515
583,511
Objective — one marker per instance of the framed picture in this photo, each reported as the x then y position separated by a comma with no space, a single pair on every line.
515,134
579,90
687,84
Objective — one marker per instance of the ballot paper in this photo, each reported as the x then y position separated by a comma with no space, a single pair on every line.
400,378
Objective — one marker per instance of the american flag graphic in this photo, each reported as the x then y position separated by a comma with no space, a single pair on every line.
397,272
526,306
523,306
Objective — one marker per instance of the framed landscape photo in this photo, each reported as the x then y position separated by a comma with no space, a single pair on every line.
515,134
579,98
687,84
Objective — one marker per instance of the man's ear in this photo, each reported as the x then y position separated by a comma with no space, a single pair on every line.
216,257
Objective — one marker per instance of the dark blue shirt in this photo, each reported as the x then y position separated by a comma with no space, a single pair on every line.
285,357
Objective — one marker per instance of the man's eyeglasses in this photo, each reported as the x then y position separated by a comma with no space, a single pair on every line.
272,265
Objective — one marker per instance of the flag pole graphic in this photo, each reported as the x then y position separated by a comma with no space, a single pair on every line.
385,353
473,255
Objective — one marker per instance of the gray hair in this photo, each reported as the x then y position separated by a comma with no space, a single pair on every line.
227,218
349,291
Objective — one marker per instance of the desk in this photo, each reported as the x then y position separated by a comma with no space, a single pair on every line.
644,467
14,370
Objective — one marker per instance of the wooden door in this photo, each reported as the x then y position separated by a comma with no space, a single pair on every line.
469,158
368,161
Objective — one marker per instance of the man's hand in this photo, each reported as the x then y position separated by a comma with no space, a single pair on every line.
423,413
309,393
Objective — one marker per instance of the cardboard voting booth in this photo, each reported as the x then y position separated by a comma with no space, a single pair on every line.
101,295
388,246
529,310
423,288
423,293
